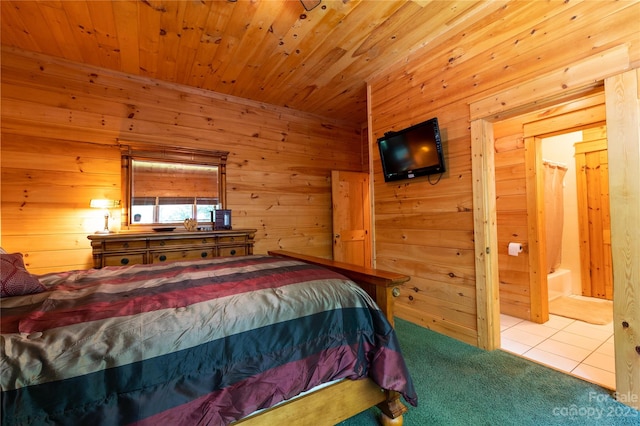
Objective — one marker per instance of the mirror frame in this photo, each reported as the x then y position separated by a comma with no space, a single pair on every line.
132,151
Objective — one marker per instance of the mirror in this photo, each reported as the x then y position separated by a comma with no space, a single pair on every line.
166,186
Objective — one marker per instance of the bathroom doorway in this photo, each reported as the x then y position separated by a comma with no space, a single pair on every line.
520,201
577,335
573,247
622,115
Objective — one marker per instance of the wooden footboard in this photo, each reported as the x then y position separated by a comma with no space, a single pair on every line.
344,399
326,406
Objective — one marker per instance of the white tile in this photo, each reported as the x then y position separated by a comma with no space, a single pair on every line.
558,322
513,346
535,329
507,321
577,340
601,361
522,337
552,360
594,331
575,347
565,350
607,348
596,375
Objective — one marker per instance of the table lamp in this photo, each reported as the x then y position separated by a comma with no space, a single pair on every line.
105,205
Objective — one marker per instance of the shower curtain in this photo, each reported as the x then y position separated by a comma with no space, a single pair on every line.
554,212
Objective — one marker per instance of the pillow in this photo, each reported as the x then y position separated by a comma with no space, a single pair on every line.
14,278
2,251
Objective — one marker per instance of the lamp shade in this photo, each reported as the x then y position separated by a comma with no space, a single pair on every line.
104,203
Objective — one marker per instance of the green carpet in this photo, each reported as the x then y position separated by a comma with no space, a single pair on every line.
459,384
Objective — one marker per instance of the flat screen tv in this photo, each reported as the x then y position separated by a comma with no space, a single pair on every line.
412,152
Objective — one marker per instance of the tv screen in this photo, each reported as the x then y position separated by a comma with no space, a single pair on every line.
412,152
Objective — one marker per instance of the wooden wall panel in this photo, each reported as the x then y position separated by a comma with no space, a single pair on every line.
61,125
509,48
512,216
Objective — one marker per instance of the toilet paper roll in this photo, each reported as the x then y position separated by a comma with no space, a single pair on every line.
514,249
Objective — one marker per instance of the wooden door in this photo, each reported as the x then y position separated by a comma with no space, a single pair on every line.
592,169
351,217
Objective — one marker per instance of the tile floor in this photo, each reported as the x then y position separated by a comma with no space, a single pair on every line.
578,348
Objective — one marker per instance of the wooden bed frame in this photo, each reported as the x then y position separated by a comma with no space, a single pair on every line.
337,402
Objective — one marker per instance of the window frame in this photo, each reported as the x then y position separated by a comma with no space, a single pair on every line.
144,152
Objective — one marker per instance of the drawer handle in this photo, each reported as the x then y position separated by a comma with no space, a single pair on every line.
162,258
233,252
125,245
124,261
204,241
162,243
204,254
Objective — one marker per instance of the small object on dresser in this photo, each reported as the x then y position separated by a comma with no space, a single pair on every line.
165,229
190,224
222,219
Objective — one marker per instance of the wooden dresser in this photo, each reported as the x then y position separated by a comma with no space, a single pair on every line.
129,248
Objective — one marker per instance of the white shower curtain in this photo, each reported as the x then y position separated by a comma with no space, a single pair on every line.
554,212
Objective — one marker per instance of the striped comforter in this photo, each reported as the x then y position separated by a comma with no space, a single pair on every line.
204,342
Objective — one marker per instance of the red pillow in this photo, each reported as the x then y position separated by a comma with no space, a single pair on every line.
14,278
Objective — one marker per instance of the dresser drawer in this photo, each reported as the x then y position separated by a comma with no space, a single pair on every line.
123,259
229,239
182,242
124,245
232,251
171,256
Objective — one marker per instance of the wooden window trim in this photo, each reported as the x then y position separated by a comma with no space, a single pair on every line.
143,151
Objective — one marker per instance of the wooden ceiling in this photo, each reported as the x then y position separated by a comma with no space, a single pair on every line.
272,51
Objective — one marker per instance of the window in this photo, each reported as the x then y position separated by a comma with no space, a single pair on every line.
167,186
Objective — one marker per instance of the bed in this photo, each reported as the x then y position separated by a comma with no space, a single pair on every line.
223,341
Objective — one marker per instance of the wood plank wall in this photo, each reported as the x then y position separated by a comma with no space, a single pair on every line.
427,230
511,211
60,125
